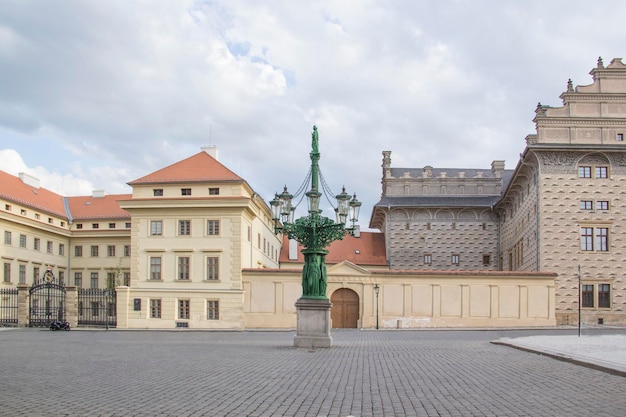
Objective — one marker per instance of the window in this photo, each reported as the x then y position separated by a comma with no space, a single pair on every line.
586,205
126,250
94,250
155,268
185,191
94,280
587,295
127,225
37,216
455,259
594,239
78,279
95,225
604,296
35,274
79,226
7,237
111,280
156,227
584,172
155,308
620,137
183,309
7,207
22,241
157,192
184,227
212,310
601,172
61,249
111,250
127,279
486,259
22,276
183,268
23,212
428,259
214,191
62,277
37,244
7,272
586,238
49,247
602,239
78,251
50,220
602,205
212,268
213,227
112,225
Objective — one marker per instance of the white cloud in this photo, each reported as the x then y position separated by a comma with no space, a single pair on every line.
437,83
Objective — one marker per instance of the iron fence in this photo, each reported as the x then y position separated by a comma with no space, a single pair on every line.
97,307
8,307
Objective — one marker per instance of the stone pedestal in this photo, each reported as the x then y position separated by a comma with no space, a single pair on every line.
313,330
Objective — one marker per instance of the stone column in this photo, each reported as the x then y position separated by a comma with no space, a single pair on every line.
313,328
71,306
122,305
22,305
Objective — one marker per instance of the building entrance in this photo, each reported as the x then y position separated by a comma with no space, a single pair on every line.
345,311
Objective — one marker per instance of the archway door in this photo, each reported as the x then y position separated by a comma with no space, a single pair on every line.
345,311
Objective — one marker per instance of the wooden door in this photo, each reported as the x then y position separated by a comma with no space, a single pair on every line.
345,312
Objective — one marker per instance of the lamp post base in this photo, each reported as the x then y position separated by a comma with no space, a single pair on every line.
313,330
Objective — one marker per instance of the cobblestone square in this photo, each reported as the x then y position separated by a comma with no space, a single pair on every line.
365,373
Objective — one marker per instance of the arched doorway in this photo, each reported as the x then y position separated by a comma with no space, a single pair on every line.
345,311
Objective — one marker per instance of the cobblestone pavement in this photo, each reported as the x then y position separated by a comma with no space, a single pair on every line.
365,373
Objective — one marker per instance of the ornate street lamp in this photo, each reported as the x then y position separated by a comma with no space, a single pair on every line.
314,231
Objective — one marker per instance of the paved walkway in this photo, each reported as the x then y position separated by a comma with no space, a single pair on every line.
365,373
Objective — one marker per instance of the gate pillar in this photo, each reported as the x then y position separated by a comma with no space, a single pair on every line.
71,306
123,306
22,305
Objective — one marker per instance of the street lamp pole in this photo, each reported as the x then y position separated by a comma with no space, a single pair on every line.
579,300
376,290
314,232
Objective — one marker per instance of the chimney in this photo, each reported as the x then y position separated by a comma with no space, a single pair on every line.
293,250
497,167
211,150
29,180
98,194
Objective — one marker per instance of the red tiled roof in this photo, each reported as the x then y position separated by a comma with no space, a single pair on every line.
200,167
368,249
106,207
12,188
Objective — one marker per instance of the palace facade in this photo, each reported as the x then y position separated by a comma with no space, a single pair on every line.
562,209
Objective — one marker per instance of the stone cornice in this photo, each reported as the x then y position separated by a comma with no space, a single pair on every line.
579,121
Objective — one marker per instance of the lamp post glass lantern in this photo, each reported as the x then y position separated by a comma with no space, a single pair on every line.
314,231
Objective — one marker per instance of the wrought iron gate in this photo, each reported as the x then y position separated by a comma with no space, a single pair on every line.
8,307
47,303
97,307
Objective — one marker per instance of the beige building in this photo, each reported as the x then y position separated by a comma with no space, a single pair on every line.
561,210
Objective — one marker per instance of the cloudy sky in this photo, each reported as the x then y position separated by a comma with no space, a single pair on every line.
94,94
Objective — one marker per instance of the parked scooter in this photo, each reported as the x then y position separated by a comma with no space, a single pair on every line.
60,325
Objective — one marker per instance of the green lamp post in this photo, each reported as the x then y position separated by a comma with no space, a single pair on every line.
315,232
